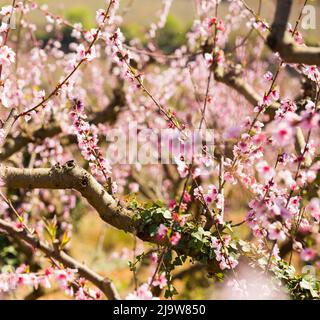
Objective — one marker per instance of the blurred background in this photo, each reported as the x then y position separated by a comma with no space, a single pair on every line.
138,14
105,249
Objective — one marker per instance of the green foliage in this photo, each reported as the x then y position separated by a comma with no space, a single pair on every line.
299,287
168,39
134,31
133,265
172,36
81,14
8,253
170,292
195,241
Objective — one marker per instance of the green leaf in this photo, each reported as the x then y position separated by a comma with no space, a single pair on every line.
219,276
153,230
197,235
65,240
304,284
179,260
167,214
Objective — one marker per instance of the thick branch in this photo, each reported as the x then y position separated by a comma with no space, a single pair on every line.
280,41
104,284
70,176
7,125
13,145
233,79
281,18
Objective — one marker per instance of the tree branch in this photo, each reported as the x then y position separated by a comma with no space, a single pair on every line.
280,41
104,284
70,176
232,78
13,145
7,125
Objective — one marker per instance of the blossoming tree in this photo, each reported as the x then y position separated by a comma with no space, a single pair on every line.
66,106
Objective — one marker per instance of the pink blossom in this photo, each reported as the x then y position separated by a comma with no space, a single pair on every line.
135,81
213,190
40,95
220,25
275,94
198,192
219,57
219,204
245,143
312,72
161,232
267,99
154,257
100,16
297,246
268,76
134,187
212,22
304,226
161,281
186,197
307,254
20,277
88,142
76,31
80,294
6,10
4,27
283,133
209,59
275,231
314,209
81,52
7,55
175,238
183,169
215,242
183,207
229,263
265,170
142,293
64,277
180,219
172,204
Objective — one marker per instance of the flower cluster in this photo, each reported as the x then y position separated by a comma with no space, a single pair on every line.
142,293
88,142
64,278
259,178
226,261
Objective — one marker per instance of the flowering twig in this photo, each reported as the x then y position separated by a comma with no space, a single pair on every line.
7,125
78,65
279,41
104,284
6,34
